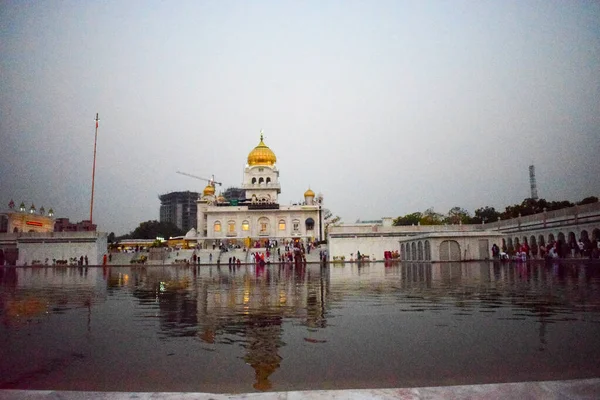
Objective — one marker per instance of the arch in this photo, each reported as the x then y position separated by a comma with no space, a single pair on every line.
541,240
407,251
402,251
264,227
310,224
231,227
449,250
420,251
584,235
563,248
413,251
551,238
268,180
245,225
282,224
3,223
217,226
533,246
510,249
261,180
596,234
504,247
517,244
427,251
253,181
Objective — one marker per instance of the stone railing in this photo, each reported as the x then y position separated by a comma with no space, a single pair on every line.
576,212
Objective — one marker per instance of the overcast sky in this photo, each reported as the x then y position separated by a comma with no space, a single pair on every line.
385,107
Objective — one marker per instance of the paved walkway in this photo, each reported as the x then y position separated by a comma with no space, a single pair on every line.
573,389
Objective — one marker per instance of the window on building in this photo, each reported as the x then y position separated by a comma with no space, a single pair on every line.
253,180
263,226
245,226
282,225
231,226
310,224
268,180
217,226
296,225
261,180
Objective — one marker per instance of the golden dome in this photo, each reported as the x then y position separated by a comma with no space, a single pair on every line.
262,155
221,199
209,190
309,193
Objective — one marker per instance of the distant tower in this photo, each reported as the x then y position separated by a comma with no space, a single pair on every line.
534,194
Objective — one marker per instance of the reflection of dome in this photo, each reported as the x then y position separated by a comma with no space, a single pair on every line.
262,155
309,193
209,190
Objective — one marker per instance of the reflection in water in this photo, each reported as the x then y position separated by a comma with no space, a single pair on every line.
349,324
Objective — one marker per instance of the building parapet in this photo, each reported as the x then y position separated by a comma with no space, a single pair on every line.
548,219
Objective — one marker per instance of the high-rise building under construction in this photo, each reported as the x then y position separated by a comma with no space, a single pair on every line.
180,208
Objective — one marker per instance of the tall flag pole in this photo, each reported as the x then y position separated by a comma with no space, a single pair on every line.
94,170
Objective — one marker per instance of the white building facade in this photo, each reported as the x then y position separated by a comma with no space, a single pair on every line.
260,217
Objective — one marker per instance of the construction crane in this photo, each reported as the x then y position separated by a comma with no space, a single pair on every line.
211,181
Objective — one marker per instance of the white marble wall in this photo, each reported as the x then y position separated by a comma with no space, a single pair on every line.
366,245
94,248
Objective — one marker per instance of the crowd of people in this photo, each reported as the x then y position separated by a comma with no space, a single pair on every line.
555,249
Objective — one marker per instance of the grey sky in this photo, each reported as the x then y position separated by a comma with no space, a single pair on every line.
386,107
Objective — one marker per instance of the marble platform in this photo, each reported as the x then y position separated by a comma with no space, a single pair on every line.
570,389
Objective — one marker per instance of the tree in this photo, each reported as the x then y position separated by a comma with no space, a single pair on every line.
431,217
408,219
588,200
485,214
111,237
329,219
154,229
457,215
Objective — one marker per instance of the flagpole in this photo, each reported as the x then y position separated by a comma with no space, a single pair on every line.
94,170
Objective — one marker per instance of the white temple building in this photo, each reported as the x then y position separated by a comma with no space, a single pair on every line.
260,217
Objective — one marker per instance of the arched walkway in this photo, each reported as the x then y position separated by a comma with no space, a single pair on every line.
427,251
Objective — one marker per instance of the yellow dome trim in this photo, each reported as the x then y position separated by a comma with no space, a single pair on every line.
209,190
261,155
309,193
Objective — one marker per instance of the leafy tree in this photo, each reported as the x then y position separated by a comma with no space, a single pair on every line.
329,219
153,229
408,219
485,214
588,200
431,217
111,237
457,215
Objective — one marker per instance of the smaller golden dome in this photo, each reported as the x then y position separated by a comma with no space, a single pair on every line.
209,190
309,193
221,199
261,155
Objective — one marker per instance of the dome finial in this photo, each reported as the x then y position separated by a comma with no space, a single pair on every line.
261,135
